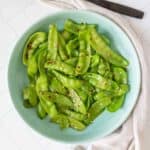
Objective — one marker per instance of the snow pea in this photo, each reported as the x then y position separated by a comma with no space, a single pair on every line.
84,58
71,46
105,51
32,44
60,66
62,47
52,42
41,84
41,61
73,114
57,86
101,94
97,108
40,111
78,125
68,82
57,98
32,66
120,75
30,95
62,120
116,103
106,39
94,60
67,35
73,27
103,67
78,103
72,61
49,108
101,82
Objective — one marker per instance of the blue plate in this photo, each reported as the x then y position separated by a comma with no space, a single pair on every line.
105,123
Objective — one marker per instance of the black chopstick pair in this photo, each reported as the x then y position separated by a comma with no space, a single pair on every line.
119,8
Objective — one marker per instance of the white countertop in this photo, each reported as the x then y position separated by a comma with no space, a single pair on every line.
15,17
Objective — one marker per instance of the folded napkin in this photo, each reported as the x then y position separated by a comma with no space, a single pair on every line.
135,132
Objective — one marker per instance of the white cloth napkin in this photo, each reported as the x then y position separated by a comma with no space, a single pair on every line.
135,132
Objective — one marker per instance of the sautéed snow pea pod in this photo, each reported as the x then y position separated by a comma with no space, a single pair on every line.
74,75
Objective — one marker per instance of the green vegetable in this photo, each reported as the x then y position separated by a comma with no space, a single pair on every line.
71,46
68,82
62,120
62,47
72,61
60,66
52,42
29,94
117,103
40,110
84,58
78,103
120,75
57,86
57,98
101,82
76,124
105,51
32,44
97,108
74,75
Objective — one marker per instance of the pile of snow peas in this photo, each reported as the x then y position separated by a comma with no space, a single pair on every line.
74,75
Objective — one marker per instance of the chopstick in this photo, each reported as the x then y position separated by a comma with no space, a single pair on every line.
122,9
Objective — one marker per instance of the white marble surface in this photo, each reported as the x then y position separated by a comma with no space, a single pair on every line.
15,17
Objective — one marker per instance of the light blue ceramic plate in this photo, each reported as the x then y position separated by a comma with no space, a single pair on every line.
105,123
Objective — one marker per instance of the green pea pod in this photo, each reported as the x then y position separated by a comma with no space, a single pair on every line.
32,66
101,82
123,89
104,69
40,111
94,60
43,46
49,108
78,103
57,98
89,101
73,114
41,61
29,94
120,75
116,103
62,47
72,61
105,51
84,58
60,66
71,46
76,124
68,82
41,84
106,39
57,86
32,44
52,42
33,61
73,27
67,35
97,108
82,94
101,94
62,120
